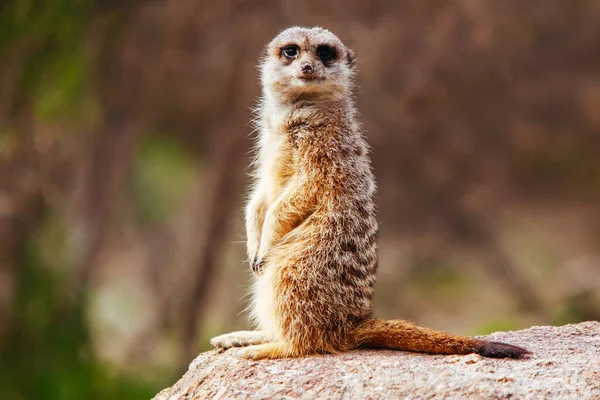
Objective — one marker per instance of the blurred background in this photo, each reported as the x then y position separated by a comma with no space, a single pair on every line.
124,152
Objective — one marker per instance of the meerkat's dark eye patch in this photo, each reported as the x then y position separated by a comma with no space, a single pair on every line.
290,51
326,53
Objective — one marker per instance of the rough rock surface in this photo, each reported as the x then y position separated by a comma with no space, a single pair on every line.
565,365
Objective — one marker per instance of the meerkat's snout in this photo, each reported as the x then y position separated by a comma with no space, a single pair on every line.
314,63
307,68
309,73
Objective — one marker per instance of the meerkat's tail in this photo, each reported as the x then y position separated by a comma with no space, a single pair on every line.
403,335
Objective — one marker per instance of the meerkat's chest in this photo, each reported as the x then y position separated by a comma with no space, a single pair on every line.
277,166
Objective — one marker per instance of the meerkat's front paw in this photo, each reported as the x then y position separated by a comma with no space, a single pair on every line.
252,248
254,259
258,262
257,265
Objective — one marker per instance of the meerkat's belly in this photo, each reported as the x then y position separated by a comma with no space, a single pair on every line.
263,298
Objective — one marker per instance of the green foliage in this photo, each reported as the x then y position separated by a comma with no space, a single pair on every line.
163,173
440,281
498,325
61,88
578,306
46,40
48,352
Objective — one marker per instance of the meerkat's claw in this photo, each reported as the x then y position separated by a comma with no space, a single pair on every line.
257,265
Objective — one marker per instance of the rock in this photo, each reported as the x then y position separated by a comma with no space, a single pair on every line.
565,365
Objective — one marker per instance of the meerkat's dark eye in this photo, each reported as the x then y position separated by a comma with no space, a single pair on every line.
291,51
325,53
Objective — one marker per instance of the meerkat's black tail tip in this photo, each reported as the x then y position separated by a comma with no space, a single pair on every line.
501,350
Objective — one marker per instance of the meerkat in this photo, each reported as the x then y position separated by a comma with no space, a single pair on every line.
311,218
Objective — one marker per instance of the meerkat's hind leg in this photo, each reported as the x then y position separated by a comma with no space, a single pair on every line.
266,350
240,339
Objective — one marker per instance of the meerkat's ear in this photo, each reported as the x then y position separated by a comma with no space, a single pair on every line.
350,58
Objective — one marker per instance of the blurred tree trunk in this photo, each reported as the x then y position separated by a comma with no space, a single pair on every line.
104,175
21,209
229,159
110,151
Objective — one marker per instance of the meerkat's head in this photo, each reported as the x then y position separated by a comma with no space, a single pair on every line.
307,63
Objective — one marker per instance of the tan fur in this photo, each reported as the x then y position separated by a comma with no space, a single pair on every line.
311,221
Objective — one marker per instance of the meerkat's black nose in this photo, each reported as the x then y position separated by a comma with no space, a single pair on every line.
307,69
